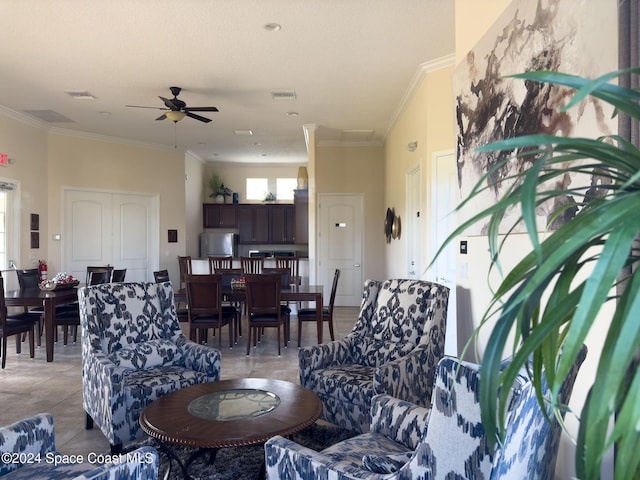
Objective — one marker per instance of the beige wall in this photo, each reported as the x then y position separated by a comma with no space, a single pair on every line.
428,119
358,170
93,164
26,146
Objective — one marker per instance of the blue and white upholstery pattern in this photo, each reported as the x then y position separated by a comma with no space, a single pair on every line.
448,441
32,441
393,348
133,352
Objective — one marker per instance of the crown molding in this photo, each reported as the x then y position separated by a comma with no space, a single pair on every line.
423,70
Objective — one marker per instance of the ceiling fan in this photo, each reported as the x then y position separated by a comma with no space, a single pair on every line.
176,109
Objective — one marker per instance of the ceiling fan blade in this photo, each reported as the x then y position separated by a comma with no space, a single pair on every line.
144,106
198,117
169,103
161,117
201,109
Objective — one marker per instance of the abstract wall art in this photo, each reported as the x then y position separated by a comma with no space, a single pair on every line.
530,35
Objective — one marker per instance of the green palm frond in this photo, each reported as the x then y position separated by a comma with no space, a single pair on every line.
552,297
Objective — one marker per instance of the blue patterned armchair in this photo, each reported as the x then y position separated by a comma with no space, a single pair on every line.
28,452
407,441
393,348
134,352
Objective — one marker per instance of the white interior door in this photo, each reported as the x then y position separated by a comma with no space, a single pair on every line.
413,227
445,199
111,228
340,237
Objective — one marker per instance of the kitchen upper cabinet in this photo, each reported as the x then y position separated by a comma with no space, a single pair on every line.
253,224
282,224
219,215
301,215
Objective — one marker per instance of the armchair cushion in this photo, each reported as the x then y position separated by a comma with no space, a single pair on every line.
385,463
149,354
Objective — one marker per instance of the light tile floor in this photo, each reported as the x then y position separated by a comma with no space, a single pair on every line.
30,386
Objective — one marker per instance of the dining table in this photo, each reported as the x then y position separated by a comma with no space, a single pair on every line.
288,293
48,300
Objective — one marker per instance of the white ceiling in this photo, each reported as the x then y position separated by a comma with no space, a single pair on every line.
349,62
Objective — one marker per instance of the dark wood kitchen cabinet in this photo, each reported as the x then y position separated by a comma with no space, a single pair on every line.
253,224
219,215
282,224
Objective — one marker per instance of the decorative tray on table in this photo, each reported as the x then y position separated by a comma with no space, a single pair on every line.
61,281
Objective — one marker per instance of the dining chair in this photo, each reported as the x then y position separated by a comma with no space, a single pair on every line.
184,265
204,300
69,315
161,276
229,274
99,271
285,281
182,312
30,278
15,325
216,263
291,263
263,306
252,264
118,275
309,314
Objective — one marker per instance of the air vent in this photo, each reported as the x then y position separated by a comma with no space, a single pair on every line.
283,95
50,116
80,94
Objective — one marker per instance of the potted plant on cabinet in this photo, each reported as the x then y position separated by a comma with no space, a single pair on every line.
218,189
550,300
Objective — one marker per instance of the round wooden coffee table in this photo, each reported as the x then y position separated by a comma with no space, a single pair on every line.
229,413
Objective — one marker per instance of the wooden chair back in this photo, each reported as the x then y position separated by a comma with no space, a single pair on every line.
118,275
263,294
293,264
252,264
161,276
216,263
29,278
103,274
184,264
204,295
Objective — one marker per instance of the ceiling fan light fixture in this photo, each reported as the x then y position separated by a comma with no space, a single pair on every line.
175,116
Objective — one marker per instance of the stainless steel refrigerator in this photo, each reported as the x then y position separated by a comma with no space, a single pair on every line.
216,244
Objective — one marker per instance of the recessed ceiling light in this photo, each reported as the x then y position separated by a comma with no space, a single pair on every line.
284,95
292,114
105,114
272,27
243,132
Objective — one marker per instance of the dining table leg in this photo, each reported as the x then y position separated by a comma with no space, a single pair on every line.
49,327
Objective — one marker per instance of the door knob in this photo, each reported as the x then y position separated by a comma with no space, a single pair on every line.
357,265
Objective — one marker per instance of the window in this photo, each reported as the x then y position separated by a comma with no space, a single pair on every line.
257,188
285,187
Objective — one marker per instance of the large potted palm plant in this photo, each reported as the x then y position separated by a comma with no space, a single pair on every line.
552,297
